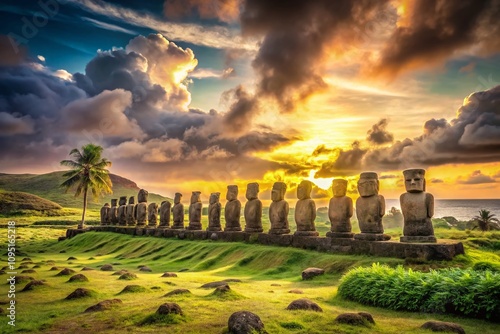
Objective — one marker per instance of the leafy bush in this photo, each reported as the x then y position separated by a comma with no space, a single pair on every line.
485,265
453,290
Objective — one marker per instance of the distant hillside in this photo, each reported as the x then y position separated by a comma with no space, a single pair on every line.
19,201
47,186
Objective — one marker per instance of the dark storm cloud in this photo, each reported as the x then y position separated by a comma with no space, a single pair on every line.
323,150
476,178
378,134
241,111
348,163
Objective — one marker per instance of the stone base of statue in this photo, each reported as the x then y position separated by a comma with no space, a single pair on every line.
131,224
141,224
254,230
305,241
233,236
163,226
275,239
151,226
149,231
340,235
233,229
279,231
194,226
419,239
214,229
372,236
306,233
178,226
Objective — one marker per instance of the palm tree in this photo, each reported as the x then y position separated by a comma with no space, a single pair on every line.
486,220
88,172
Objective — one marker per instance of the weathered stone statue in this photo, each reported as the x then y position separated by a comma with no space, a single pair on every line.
122,211
305,211
165,214
130,212
370,208
214,209
253,209
340,211
113,211
195,211
152,214
178,212
278,211
232,210
417,207
142,197
141,213
105,214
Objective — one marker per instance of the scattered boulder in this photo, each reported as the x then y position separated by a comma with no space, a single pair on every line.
355,319
26,259
87,268
23,266
31,285
104,305
169,274
219,283
214,237
244,322
133,289
80,293
441,326
224,292
28,271
128,276
107,267
71,258
310,273
304,304
78,278
145,268
54,268
22,279
169,308
297,291
66,272
120,272
177,292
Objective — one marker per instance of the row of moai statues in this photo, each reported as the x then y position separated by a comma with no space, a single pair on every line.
417,207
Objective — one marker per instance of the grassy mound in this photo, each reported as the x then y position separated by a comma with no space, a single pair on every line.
18,202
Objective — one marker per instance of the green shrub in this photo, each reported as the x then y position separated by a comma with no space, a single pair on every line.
483,265
467,292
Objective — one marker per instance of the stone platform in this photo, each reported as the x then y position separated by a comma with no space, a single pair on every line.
420,251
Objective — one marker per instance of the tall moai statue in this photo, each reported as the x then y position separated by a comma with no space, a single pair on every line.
178,212
305,211
253,209
165,214
105,214
141,209
122,211
278,211
370,208
152,215
340,211
113,212
130,212
417,207
195,211
232,210
214,210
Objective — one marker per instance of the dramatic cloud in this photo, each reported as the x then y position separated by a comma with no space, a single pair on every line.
347,163
378,134
11,125
224,10
476,178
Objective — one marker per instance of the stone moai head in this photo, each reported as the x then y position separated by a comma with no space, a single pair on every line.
414,180
177,198
252,191
304,189
131,200
214,198
106,205
142,197
278,192
123,200
339,187
232,193
368,184
195,197
114,201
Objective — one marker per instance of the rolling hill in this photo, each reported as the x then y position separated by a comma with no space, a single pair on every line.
47,187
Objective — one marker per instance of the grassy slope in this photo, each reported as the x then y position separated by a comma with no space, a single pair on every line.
258,267
15,201
47,186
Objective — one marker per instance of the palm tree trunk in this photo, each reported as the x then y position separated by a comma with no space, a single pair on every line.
84,208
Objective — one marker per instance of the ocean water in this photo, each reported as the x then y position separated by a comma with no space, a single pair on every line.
461,209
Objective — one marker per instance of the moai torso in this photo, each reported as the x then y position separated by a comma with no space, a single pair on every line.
105,214
232,210
253,209
278,211
214,210
152,214
122,211
113,212
370,207
130,212
340,208
165,214
305,210
178,212
141,211
195,211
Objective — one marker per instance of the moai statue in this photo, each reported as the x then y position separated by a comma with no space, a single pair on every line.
370,208
340,211
305,211
141,209
214,209
113,212
152,214
253,209
142,197
232,210
417,207
130,212
105,214
178,212
195,211
165,214
122,211
278,211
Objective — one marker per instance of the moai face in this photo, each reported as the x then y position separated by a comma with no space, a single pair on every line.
214,198
278,192
177,198
123,200
131,200
339,187
368,184
252,191
142,197
232,193
195,197
113,202
304,189
414,180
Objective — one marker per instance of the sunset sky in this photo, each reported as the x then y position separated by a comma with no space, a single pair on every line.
191,95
